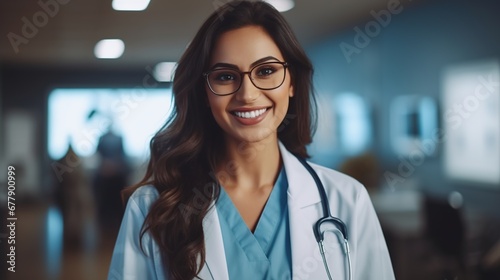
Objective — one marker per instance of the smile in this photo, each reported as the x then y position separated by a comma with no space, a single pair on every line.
250,114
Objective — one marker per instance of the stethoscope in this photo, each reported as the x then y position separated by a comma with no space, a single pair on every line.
341,228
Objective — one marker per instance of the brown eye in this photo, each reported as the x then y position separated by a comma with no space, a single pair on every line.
223,76
265,71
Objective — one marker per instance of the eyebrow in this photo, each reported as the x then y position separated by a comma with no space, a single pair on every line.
229,65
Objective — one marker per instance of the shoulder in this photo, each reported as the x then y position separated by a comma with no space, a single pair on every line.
143,198
336,184
146,191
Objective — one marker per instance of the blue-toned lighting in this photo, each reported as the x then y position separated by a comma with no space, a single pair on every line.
136,115
54,241
354,123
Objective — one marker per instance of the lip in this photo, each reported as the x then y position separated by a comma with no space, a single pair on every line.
247,109
250,121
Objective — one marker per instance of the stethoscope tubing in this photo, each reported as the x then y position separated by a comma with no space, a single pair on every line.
327,217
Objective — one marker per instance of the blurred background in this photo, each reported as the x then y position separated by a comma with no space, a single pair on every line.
408,95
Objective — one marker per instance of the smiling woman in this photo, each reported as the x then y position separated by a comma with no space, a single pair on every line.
227,193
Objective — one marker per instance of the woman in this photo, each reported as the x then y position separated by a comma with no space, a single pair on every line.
224,196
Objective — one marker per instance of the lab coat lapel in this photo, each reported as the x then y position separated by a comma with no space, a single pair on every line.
302,189
215,260
304,207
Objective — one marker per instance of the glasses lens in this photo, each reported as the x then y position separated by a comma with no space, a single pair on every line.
268,75
224,81
264,76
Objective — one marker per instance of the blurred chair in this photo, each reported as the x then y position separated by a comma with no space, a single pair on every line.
364,168
444,228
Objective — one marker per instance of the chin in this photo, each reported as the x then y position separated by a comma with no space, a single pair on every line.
257,137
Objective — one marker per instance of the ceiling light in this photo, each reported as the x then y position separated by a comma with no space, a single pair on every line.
130,5
164,71
281,5
109,49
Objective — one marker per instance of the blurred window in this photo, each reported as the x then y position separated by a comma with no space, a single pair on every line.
471,121
354,126
81,116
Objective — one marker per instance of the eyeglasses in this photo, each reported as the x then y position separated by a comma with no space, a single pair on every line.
265,76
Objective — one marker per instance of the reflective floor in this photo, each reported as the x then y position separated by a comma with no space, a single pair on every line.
47,250
44,253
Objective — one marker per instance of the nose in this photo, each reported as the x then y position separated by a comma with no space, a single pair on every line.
247,93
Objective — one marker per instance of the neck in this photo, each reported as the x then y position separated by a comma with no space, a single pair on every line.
250,165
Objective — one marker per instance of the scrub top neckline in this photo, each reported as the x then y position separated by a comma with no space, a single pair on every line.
256,244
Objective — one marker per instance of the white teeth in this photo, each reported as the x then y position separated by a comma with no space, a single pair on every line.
250,114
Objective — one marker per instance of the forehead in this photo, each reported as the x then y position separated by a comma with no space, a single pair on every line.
243,46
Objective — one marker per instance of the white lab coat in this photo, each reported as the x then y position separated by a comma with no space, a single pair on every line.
348,200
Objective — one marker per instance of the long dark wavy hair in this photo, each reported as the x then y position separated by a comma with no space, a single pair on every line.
186,150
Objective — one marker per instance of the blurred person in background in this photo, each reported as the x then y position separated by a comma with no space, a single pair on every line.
110,179
73,197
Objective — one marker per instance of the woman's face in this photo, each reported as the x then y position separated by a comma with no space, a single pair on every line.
250,114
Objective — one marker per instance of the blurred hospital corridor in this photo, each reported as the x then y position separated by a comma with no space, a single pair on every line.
408,99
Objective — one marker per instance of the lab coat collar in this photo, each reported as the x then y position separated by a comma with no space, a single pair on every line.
298,177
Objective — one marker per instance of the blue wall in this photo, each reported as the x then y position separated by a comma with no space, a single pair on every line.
407,57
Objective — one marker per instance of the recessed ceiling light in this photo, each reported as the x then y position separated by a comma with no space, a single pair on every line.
281,5
109,49
164,71
130,5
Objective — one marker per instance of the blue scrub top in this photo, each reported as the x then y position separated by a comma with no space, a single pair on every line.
265,254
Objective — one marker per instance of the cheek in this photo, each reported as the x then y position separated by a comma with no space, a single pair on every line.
217,105
282,104
213,102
